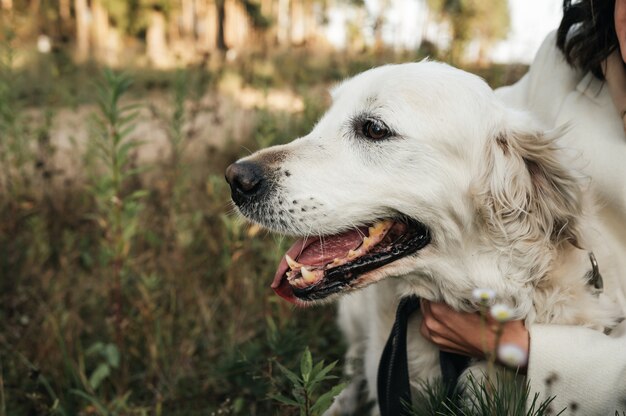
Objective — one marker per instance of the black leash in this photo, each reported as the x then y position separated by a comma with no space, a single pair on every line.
394,390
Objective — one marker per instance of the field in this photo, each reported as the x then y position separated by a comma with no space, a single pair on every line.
128,286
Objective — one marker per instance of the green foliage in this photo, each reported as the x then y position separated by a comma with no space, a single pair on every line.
484,20
117,211
112,147
304,387
504,394
110,356
253,10
15,150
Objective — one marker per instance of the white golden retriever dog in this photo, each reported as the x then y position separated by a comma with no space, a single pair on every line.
419,180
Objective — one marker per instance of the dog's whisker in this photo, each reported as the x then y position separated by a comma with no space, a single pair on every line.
357,229
231,210
306,237
321,243
230,205
246,149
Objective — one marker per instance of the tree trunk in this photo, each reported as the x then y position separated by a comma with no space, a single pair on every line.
221,18
379,24
100,28
155,40
82,30
310,26
268,37
188,17
64,10
297,22
484,47
208,34
283,30
34,7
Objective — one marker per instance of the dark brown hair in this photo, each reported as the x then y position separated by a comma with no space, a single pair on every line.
586,35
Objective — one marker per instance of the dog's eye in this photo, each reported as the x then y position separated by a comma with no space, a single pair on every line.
374,129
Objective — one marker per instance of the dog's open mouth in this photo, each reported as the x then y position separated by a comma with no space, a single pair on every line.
316,267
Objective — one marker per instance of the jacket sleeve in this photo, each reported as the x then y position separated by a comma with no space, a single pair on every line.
548,80
520,95
584,369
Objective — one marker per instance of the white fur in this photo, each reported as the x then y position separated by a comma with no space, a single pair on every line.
504,210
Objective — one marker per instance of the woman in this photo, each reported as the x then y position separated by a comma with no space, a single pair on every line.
578,76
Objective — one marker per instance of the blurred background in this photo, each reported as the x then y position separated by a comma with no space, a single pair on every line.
127,284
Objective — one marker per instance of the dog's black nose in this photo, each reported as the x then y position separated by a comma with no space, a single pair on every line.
245,179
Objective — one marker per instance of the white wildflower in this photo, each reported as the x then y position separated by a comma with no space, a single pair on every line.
501,312
44,44
483,295
512,355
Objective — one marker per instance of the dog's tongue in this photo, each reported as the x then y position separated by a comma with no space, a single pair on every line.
315,251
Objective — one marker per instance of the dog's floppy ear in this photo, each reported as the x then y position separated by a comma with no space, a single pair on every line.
526,193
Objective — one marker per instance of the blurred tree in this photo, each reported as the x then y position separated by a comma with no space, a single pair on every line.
81,9
64,10
220,8
253,15
129,16
283,20
483,20
156,41
492,23
174,31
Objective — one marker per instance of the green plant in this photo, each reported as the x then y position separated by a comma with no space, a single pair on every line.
15,149
118,208
304,392
109,360
502,394
177,137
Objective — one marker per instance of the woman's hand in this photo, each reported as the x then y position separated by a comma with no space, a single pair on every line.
464,333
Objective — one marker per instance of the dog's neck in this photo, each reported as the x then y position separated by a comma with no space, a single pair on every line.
567,295
562,295
570,265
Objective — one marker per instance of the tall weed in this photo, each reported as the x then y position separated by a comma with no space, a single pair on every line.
118,207
305,386
15,146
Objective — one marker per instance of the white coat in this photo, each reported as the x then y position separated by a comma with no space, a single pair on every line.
584,369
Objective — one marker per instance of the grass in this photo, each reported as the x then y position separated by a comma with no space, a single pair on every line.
135,290
500,394
305,385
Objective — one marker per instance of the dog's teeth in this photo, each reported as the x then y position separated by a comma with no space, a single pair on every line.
367,242
379,228
375,229
352,254
299,283
309,276
293,265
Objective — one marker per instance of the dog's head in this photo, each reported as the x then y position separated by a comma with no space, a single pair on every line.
416,170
